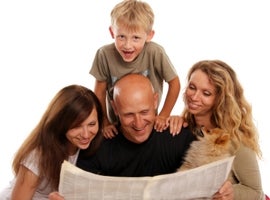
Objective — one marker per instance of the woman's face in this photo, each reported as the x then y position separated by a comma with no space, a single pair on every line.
200,94
81,136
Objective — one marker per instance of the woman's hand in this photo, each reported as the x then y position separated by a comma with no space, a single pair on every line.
175,122
55,196
225,192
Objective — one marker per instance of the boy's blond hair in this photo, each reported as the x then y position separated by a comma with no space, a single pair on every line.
133,14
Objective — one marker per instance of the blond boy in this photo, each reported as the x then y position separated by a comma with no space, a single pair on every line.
133,52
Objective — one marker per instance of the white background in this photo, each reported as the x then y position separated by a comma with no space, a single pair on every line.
46,45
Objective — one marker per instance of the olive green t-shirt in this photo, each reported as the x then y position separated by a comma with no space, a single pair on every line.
152,62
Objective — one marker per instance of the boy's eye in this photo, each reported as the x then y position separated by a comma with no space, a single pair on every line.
136,38
121,37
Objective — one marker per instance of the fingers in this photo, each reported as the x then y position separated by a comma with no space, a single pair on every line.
185,124
160,123
109,131
55,196
225,192
175,123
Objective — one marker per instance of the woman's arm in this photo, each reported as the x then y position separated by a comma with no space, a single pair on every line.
25,186
246,175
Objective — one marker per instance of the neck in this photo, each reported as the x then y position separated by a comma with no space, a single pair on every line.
72,149
204,121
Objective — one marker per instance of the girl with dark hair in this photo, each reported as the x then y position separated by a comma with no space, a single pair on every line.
72,121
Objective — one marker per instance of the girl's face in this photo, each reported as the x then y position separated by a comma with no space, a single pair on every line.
81,136
129,44
200,94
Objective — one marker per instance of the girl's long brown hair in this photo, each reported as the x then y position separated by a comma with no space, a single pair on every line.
68,109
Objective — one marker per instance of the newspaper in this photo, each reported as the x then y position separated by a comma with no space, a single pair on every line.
198,183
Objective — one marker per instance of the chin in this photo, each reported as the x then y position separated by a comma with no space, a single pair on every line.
128,59
84,146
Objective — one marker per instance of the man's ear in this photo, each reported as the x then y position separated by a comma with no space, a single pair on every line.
111,31
150,35
156,100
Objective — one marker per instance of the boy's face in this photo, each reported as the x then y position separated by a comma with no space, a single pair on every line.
129,43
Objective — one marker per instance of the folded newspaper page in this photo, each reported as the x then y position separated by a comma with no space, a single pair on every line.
198,183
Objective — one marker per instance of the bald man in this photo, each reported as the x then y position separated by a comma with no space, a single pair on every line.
138,150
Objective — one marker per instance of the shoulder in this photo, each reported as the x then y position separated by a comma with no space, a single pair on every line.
153,46
184,135
157,53
32,161
245,162
186,132
106,48
245,155
117,140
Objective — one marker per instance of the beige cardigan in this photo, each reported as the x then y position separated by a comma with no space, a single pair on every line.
246,178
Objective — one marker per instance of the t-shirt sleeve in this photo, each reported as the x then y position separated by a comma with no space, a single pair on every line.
99,69
163,64
31,162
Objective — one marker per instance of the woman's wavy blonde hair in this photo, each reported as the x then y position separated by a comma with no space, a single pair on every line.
231,110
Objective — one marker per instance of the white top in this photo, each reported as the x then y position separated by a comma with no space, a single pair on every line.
41,192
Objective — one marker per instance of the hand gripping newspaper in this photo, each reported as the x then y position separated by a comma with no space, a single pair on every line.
198,183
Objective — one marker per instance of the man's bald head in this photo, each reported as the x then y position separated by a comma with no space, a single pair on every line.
132,83
135,103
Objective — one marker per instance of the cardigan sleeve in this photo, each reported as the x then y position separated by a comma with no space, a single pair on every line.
246,174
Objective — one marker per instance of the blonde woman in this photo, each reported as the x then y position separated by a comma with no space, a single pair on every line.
214,98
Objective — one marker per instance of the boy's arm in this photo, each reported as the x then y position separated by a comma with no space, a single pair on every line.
100,91
170,100
109,129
